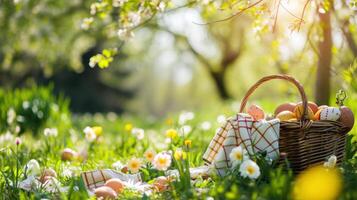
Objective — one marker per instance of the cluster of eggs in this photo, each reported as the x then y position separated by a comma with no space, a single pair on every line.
113,187
294,112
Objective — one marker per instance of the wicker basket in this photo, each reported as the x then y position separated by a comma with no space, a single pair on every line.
306,142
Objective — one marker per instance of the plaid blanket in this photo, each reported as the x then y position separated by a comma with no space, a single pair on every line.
241,129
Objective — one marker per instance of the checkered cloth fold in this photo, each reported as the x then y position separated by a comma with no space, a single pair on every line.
242,130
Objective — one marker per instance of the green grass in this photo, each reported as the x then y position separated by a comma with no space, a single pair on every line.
117,144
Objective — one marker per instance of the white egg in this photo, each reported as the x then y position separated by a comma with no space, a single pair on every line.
330,113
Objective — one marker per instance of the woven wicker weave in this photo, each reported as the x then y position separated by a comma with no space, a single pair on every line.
306,142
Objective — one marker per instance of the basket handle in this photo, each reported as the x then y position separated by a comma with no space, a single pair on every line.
282,77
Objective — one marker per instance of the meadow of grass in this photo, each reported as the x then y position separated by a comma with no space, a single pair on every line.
118,143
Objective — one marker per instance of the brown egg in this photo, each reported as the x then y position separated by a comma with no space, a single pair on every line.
43,179
311,105
68,154
347,117
116,184
105,193
286,115
125,169
161,183
256,112
299,112
46,174
283,107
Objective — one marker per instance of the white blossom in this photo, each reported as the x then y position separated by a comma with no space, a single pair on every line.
206,125
249,169
32,168
138,133
90,134
186,116
221,119
50,132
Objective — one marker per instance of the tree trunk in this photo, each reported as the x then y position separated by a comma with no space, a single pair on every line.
218,78
322,87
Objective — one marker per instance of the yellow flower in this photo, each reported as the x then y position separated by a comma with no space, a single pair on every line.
188,143
180,155
98,130
128,127
169,121
134,165
149,155
318,183
171,133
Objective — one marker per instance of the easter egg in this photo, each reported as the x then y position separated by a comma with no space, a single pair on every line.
322,107
347,118
286,115
46,174
161,183
317,115
299,110
285,107
44,179
105,192
330,113
256,112
311,105
116,184
68,154
124,169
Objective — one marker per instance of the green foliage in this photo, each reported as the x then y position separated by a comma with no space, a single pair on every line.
31,109
104,59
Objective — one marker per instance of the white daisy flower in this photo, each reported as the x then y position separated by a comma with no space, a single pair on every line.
90,134
32,168
117,165
186,116
331,162
138,132
134,165
221,119
237,156
249,169
162,161
49,132
186,129
205,126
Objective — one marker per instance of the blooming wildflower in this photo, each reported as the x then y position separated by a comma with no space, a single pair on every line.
11,115
171,133
186,116
186,129
188,143
318,183
17,141
205,126
162,6
221,119
49,132
149,155
331,162
249,169
125,34
180,155
32,168
128,127
117,165
138,132
134,18
162,161
86,23
90,134
134,165
98,130
237,155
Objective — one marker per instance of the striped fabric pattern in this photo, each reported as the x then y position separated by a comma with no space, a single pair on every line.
241,129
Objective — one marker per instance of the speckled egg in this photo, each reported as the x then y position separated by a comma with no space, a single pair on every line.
330,113
285,107
256,112
286,115
116,184
347,117
105,192
299,110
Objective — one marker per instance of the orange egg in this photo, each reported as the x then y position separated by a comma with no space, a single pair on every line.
161,183
286,115
299,110
105,193
311,105
256,112
285,107
347,118
116,184
317,115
